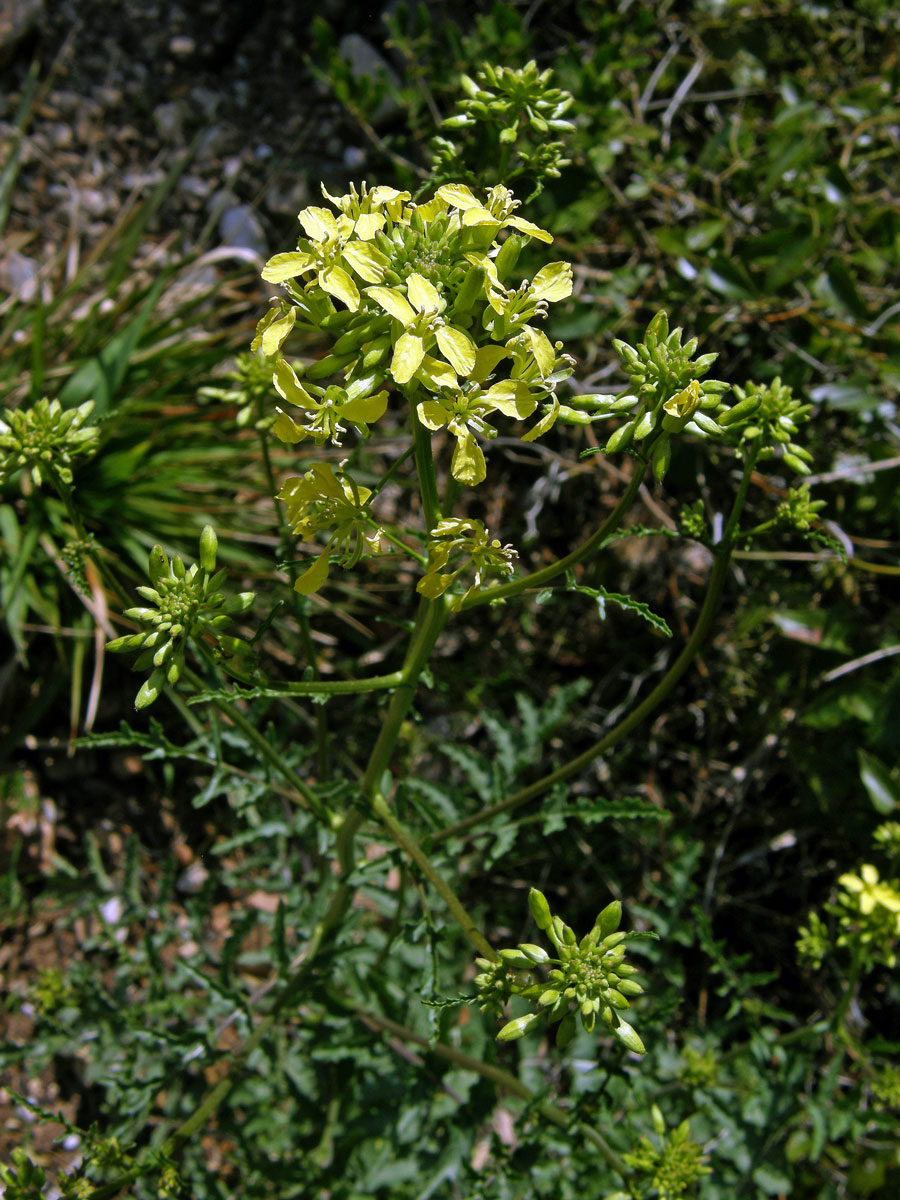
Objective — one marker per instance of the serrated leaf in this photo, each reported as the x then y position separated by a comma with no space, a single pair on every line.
602,596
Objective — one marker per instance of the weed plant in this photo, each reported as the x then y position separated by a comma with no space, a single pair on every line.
407,806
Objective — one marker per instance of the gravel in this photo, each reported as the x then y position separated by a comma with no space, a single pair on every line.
127,89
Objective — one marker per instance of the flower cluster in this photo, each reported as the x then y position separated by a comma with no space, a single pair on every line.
416,298
45,439
187,602
514,107
867,911
250,387
471,548
665,395
322,500
773,415
671,1164
798,510
585,980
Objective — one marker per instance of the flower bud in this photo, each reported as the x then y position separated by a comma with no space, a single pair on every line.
512,958
518,1027
540,909
629,1038
609,919
157,564
537,954
620,438
209,544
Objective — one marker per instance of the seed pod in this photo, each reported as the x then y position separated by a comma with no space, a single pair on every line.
508,255
661,458
329,365
746,408
796,464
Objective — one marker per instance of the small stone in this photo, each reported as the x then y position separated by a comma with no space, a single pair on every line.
288,197
182,47
365,62
19,276
168,120
240,226
191,881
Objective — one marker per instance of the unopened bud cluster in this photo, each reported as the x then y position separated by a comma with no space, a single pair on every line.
506,107
669,1165
585,979
187,602
665,395
45,439
774,416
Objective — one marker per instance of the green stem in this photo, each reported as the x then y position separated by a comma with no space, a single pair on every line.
425,467
853,975
387,476
407,843
655,698
300,610
400,544
431,618
539,578
316,687
66,495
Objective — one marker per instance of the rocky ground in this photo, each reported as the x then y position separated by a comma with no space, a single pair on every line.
126,88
